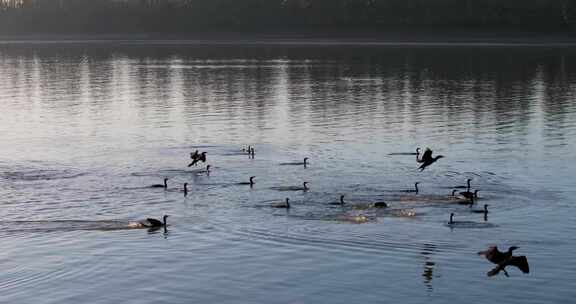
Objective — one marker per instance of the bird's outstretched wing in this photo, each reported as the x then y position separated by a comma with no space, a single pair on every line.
427,156
521,262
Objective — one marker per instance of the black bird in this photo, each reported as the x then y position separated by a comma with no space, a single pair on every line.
485,210
371,205
305,163
470,195
415,190
207,170
304,187
185,189
285,205
341,202
380,205
495,256
467,185
451,221
504,259
201,157
153,223
251,182
165,185
427,159
417,153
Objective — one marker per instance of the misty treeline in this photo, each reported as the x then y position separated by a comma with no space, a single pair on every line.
196,15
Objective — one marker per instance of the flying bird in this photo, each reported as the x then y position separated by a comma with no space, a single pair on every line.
427,159
504,259
197,158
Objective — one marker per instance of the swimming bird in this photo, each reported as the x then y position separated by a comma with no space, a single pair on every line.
470,195
362,205
201,157
207,170
285,205
153,223
341,202
304,187
305,163
417,153
165,185
185,189
451,221
415,190
251,182
380,205
427,159
467,185
485,210
504,259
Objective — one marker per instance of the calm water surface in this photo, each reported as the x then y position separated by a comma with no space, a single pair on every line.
86,128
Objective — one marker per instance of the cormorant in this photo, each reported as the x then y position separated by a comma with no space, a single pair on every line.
428,160
165,185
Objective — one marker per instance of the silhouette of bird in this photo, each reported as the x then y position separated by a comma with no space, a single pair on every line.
304,188
206,171
341,202
165,185
152,223
451,221
196,159
504,259
185,189
362,205
470,195
415,190
417,153
467,185
495,256
485,210
427,159
305,163
380,205
251,182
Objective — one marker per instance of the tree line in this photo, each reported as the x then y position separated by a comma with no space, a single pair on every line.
112,16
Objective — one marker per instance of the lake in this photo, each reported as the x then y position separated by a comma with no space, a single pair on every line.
86,128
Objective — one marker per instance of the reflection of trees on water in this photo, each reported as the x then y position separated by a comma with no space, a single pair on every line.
452,90
428,251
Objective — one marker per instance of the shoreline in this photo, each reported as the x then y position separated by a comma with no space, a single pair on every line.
312,38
